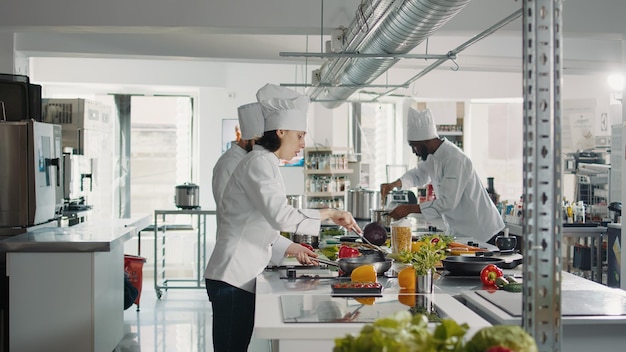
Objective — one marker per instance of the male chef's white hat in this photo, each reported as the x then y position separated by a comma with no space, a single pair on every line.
283,108
250,120
421,126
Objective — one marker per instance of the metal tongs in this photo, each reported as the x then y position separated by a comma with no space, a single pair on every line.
370,243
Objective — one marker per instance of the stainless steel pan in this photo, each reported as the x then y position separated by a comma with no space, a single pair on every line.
348,264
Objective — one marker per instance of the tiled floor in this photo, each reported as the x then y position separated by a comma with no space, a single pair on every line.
179,322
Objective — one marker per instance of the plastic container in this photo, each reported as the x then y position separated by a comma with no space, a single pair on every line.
133,265
401,236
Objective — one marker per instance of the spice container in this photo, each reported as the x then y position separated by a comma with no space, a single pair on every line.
400,236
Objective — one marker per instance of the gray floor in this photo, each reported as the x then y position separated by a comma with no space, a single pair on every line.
179,322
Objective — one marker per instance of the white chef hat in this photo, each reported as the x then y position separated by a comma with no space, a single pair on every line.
250,120
283,108
421,126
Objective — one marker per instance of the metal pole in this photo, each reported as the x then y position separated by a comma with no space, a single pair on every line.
542,220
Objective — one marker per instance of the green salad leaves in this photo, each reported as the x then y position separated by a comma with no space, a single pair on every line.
404,332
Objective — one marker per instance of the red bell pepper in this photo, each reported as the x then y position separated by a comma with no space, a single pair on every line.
348,252
489,274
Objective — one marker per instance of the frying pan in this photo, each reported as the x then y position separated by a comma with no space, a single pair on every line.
468,266
348,264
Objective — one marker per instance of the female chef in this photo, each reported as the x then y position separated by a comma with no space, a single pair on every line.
254,212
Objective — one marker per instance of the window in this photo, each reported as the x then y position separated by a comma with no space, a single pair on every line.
161,151
375,138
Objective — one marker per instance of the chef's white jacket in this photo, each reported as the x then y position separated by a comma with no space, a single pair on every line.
223,168
462,203
254,211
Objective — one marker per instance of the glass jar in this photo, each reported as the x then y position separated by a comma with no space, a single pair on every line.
400,236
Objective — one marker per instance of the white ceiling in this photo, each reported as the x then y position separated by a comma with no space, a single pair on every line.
257,31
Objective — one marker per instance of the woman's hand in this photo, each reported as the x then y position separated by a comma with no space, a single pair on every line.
345,219
302,254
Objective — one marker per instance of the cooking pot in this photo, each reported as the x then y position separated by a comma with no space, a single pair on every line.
468,266
187,196
306,239
381,216
361,200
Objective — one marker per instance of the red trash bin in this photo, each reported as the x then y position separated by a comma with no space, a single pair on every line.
133,266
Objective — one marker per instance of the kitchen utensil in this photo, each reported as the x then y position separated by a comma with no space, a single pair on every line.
468,266
361,200
306,239
348,264
187,196
381,216
370,243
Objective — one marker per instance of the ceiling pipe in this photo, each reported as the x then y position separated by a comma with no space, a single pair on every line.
380,27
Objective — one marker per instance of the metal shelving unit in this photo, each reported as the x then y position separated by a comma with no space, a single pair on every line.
161,226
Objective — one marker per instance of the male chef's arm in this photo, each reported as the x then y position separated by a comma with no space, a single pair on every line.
412,178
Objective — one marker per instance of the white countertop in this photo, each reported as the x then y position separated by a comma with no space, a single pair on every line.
90,236
269,321
573,286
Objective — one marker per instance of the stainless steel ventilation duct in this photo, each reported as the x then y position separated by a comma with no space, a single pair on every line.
380,27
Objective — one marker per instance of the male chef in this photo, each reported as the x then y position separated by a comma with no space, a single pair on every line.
462,204
251,127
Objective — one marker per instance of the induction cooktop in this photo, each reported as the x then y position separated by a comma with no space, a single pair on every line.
329,309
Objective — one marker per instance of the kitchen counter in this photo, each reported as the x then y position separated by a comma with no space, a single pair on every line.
269,323
92,236
457,297
594,316
66,286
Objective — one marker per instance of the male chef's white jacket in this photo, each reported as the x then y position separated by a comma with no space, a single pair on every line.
462,202
223,168
254,211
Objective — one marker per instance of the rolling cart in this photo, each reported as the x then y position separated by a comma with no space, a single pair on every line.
161,227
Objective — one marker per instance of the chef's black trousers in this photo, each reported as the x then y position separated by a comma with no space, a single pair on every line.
233,316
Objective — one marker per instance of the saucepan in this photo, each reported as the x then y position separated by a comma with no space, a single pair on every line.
468,266
348,264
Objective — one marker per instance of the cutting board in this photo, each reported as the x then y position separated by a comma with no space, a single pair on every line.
573,303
